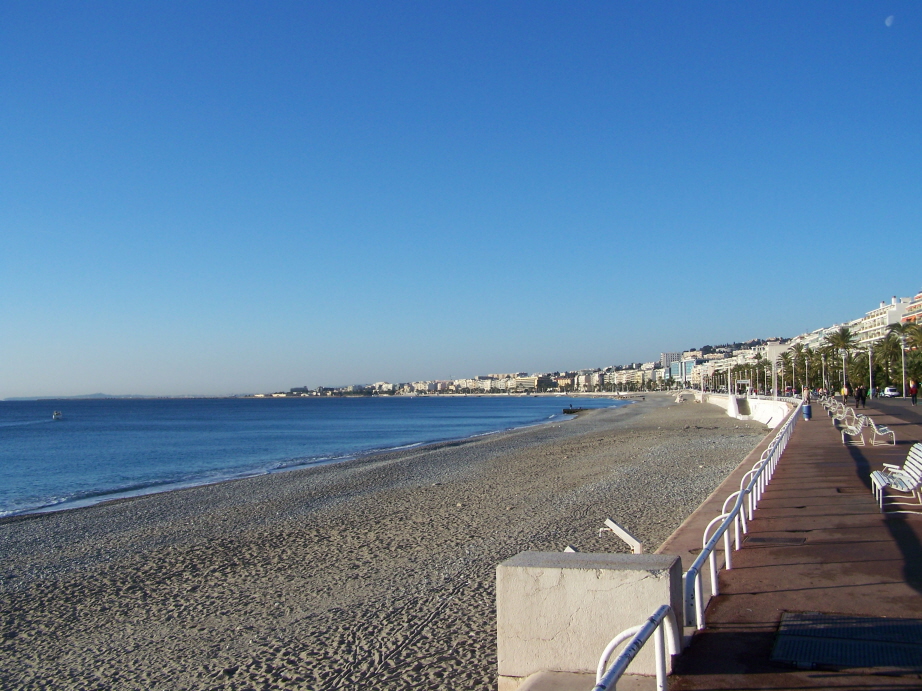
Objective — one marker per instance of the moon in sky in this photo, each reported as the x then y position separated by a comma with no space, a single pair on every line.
889,20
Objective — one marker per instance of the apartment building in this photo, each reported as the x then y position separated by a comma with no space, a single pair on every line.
913,313
873,325
666,359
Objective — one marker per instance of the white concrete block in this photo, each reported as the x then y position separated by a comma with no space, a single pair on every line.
558,611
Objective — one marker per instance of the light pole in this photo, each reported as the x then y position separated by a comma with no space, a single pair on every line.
825,387
903,355
774,379
844,354
870,369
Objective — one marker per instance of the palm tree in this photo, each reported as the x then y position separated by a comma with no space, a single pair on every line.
858,367
913,335
798,355
809,362
914,356
825,354
760,371
783,361
887,350
841,341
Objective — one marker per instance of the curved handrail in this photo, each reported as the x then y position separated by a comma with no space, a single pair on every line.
723,511
610,648
606,680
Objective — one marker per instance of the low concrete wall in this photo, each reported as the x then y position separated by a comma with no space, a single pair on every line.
720,400
769,413
557,611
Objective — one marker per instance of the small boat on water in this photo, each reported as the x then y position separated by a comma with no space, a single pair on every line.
57,415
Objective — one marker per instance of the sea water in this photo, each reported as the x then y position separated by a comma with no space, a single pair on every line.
108,448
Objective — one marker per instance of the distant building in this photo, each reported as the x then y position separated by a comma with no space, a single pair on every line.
873,325
526,383
666,359
913,313
681,371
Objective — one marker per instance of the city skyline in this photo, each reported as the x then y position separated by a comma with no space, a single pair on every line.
694,365
226,198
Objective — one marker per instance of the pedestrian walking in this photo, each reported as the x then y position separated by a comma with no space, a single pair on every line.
861,397
913,390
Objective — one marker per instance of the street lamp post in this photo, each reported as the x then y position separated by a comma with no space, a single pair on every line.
870,369
825,387
844,355
774,379
903,355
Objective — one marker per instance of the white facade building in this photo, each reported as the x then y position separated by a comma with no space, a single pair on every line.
873,326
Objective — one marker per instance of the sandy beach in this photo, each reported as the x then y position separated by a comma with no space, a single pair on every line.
375,573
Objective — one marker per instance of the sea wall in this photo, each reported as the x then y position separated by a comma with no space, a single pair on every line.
769,413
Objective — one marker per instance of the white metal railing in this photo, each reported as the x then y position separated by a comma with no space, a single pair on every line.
752,485
745,500
759,396
768,397
662,617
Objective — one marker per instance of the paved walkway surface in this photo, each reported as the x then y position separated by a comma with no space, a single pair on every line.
818,544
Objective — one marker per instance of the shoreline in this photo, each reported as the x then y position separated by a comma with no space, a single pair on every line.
379,568
276,467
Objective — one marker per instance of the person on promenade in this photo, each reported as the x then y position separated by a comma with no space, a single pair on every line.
861,396
846,392
913,390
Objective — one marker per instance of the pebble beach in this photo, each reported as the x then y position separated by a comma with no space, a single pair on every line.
373,573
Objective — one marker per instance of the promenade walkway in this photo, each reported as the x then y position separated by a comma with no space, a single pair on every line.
818,544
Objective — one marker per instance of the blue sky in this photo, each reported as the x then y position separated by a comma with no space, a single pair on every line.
224,197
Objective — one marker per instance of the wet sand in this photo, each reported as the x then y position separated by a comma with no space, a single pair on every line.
376,573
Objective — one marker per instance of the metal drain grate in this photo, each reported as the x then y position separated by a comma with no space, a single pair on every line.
814,639
852,490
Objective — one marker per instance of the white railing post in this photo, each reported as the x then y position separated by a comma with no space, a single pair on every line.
659,647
